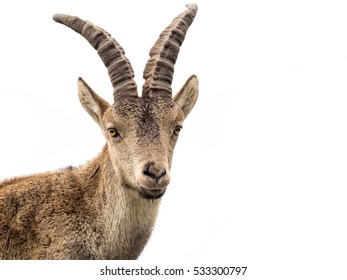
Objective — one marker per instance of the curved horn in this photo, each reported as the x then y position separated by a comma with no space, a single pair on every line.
160,66
111,53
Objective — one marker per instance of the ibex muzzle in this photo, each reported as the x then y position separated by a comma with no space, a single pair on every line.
106,208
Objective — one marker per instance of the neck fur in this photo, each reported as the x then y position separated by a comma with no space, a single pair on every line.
126,219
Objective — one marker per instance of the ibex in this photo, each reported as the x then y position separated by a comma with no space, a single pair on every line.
106,208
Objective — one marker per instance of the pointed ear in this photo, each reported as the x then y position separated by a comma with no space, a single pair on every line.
91,102
188,95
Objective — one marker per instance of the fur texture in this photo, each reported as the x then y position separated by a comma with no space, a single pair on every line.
75,213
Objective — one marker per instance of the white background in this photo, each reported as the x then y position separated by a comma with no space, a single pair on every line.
259,171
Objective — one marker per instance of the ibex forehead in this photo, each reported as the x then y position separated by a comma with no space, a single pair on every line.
147,108
146,115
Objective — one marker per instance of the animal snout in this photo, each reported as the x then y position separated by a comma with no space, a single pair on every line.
153,181
154,171
153,176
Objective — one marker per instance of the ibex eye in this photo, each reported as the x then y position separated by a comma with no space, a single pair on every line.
177,130
113,132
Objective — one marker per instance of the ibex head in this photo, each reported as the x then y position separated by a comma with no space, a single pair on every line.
141,132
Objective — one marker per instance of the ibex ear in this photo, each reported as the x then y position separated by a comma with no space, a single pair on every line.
188,95
91,102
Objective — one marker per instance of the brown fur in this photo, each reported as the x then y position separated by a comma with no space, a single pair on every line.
105,209
73,214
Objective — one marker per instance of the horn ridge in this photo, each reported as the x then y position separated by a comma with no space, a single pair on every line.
159,69
109,50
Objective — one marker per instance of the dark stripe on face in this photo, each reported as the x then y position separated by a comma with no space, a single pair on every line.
147,122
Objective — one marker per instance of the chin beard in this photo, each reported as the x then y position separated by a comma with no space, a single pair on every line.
151,194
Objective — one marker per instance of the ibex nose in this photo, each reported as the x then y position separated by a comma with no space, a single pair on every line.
154,171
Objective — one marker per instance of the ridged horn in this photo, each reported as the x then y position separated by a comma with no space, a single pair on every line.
159,69
111,53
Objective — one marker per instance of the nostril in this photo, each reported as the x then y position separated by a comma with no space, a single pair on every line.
163,173
146,172
154,171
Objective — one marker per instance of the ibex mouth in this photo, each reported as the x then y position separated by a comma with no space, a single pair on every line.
151,193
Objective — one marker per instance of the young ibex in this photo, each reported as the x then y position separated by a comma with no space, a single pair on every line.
106,208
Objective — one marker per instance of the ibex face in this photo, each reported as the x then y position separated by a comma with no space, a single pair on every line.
141,132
